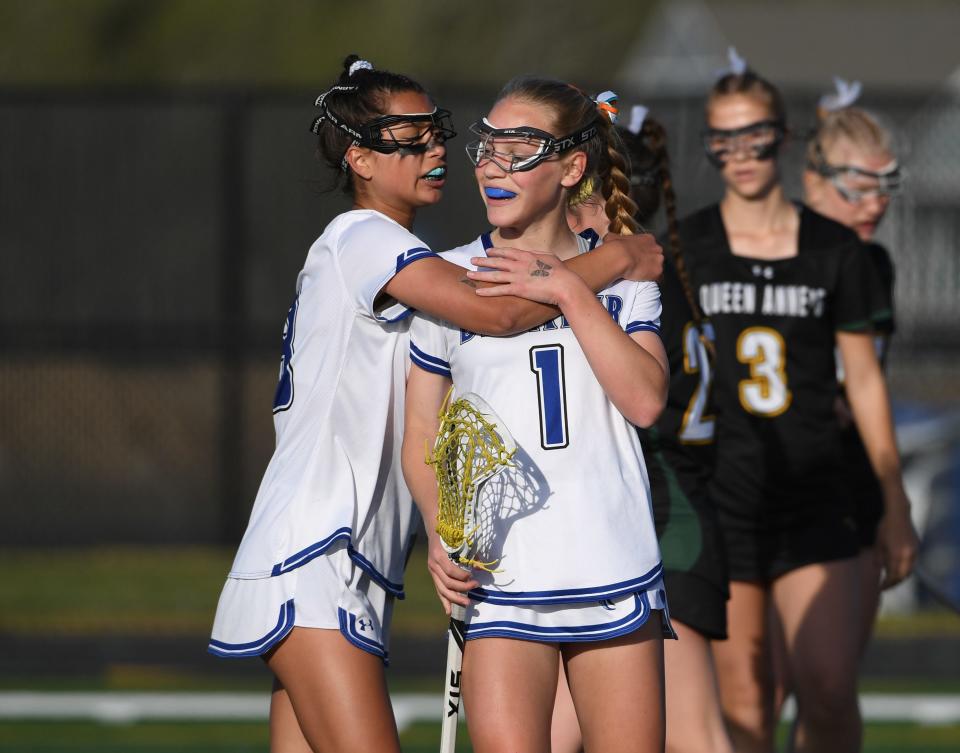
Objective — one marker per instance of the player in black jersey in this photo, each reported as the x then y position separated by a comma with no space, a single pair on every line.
678,451
782,286
851,175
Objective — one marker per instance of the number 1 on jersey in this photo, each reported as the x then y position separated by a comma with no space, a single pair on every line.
546,361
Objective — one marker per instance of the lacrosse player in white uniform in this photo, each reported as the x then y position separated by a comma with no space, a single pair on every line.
321,562
567,562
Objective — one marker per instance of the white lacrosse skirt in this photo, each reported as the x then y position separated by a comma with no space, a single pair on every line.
331,527
567,623
329,592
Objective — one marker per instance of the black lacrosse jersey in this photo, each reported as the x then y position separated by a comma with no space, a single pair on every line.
679,447
868,496
779,457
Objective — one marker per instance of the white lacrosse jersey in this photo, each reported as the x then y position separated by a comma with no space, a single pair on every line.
335,477
572,521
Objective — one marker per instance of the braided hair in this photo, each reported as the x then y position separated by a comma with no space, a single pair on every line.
651,180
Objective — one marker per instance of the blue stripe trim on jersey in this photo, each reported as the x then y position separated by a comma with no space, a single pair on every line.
414,254
642,327
302,557
391,320
591,235
260,646
348,623
569,634
313,551
568,595
395,589
487,241
430,367
429,363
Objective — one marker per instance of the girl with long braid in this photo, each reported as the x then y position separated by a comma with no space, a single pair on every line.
679,453
577,575
312,586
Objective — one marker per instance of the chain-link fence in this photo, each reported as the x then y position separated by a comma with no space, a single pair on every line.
149,246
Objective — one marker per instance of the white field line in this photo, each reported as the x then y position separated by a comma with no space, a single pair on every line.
131,707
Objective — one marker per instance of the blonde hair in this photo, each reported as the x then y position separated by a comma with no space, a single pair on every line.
852,124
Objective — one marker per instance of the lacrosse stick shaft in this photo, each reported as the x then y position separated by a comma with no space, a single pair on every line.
451,695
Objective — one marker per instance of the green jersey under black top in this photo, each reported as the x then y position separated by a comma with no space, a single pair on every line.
679,451
779,465
868,497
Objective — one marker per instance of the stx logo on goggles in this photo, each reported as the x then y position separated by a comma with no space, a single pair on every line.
522,148
569,142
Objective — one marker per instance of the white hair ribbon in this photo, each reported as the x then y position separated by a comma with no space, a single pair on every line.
736,64
847,92
638,113
360,65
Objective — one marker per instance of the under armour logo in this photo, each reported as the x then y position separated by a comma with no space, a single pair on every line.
607,604
363,623
761,271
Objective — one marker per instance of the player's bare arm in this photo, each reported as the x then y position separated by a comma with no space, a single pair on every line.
440,288
867,393
632,369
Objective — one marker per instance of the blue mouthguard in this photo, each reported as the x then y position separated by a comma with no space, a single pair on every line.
498,193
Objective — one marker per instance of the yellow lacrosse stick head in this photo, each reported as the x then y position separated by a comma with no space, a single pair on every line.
472,446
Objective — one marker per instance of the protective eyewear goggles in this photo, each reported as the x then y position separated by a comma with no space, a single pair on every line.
854,184
516,150
758,141
414,133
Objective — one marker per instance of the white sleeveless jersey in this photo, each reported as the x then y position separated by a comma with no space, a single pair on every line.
572,521
334,478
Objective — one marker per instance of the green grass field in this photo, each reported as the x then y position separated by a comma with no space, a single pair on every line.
168,591
419,738
173,591
126,592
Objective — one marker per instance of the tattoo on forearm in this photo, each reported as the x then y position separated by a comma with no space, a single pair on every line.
543,270
468,282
